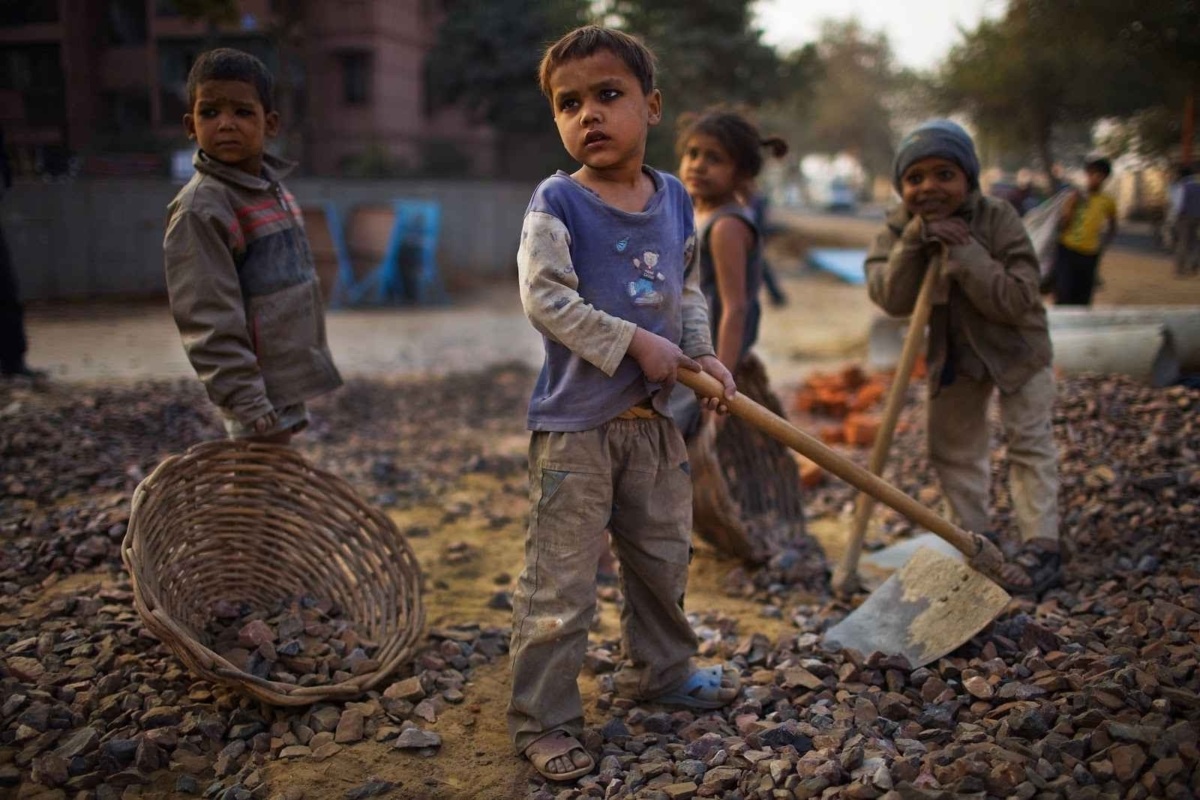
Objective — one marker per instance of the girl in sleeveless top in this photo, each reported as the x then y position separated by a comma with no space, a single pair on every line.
746,497
720,155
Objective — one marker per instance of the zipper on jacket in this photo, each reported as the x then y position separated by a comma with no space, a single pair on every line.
294,239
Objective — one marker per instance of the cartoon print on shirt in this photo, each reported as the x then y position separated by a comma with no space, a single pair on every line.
642,289
621,245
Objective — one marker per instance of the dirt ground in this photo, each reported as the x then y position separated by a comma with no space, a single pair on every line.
824,323
476,759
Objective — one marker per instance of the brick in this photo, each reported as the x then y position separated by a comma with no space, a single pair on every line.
810,473
870,395
852,377
832,434
861,429
805,401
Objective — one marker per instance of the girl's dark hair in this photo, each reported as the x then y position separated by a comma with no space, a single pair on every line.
736,133
227,64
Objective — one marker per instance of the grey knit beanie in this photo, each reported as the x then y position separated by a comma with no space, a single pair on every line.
937,138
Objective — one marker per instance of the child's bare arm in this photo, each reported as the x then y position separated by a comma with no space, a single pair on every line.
550,296
896,266
209,310
1002,284
730,241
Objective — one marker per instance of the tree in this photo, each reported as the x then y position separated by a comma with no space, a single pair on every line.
1048,65
708,53
485,61
1162,38
850,110
848,98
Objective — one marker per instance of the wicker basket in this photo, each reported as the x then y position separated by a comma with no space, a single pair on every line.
256,523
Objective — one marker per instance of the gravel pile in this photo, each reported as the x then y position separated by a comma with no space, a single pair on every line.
1090,691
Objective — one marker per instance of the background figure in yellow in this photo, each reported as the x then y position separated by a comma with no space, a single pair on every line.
1089,223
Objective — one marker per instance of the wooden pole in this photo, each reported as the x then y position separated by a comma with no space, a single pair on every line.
845,576
980,553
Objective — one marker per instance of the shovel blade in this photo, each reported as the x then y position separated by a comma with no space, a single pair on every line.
929,608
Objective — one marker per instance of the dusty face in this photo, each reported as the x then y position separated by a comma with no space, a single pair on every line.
707,170
602,114
229,123
934,188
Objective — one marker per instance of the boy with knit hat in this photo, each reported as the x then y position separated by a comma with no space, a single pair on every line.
987,331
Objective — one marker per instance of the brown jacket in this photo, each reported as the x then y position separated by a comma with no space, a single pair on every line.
991,283
244,291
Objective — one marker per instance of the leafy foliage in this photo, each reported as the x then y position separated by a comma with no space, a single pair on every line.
708,53
486,57
849,104
1047,65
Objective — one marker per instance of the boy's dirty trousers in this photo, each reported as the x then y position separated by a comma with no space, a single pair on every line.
959,438
631,477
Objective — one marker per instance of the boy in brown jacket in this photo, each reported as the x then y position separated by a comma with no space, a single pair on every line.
987,331
240,274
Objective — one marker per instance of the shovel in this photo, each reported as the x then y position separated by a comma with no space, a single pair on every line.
928,608
976,600
845,577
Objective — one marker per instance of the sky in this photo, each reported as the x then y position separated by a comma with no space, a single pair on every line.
921,31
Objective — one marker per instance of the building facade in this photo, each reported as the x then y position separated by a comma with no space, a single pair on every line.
98,86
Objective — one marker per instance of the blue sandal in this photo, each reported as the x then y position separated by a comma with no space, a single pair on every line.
703,690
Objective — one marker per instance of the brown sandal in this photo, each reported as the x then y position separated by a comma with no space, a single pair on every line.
554,745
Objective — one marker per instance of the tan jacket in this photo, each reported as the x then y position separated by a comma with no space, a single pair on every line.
244,291
990,300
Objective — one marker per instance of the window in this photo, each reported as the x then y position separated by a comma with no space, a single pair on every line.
125,22
174,60
356,77
36,72
125,112
14,13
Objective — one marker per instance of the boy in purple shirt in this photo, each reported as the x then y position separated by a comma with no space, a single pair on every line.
603,269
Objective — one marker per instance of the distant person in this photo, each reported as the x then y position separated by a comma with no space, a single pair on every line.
1089,224
1185,214
12,316
602,267
759,205
240,274
987,331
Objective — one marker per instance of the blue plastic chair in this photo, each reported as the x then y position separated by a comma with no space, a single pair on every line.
420,223
345,282
414,232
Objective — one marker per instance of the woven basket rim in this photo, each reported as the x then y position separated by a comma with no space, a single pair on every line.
210,665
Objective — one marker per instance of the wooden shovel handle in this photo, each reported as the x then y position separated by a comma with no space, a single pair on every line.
970,545
845,577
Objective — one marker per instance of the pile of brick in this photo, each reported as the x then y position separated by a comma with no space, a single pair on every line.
842,408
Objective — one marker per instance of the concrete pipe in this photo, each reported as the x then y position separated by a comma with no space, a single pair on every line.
1143,352
885,341
1182,321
